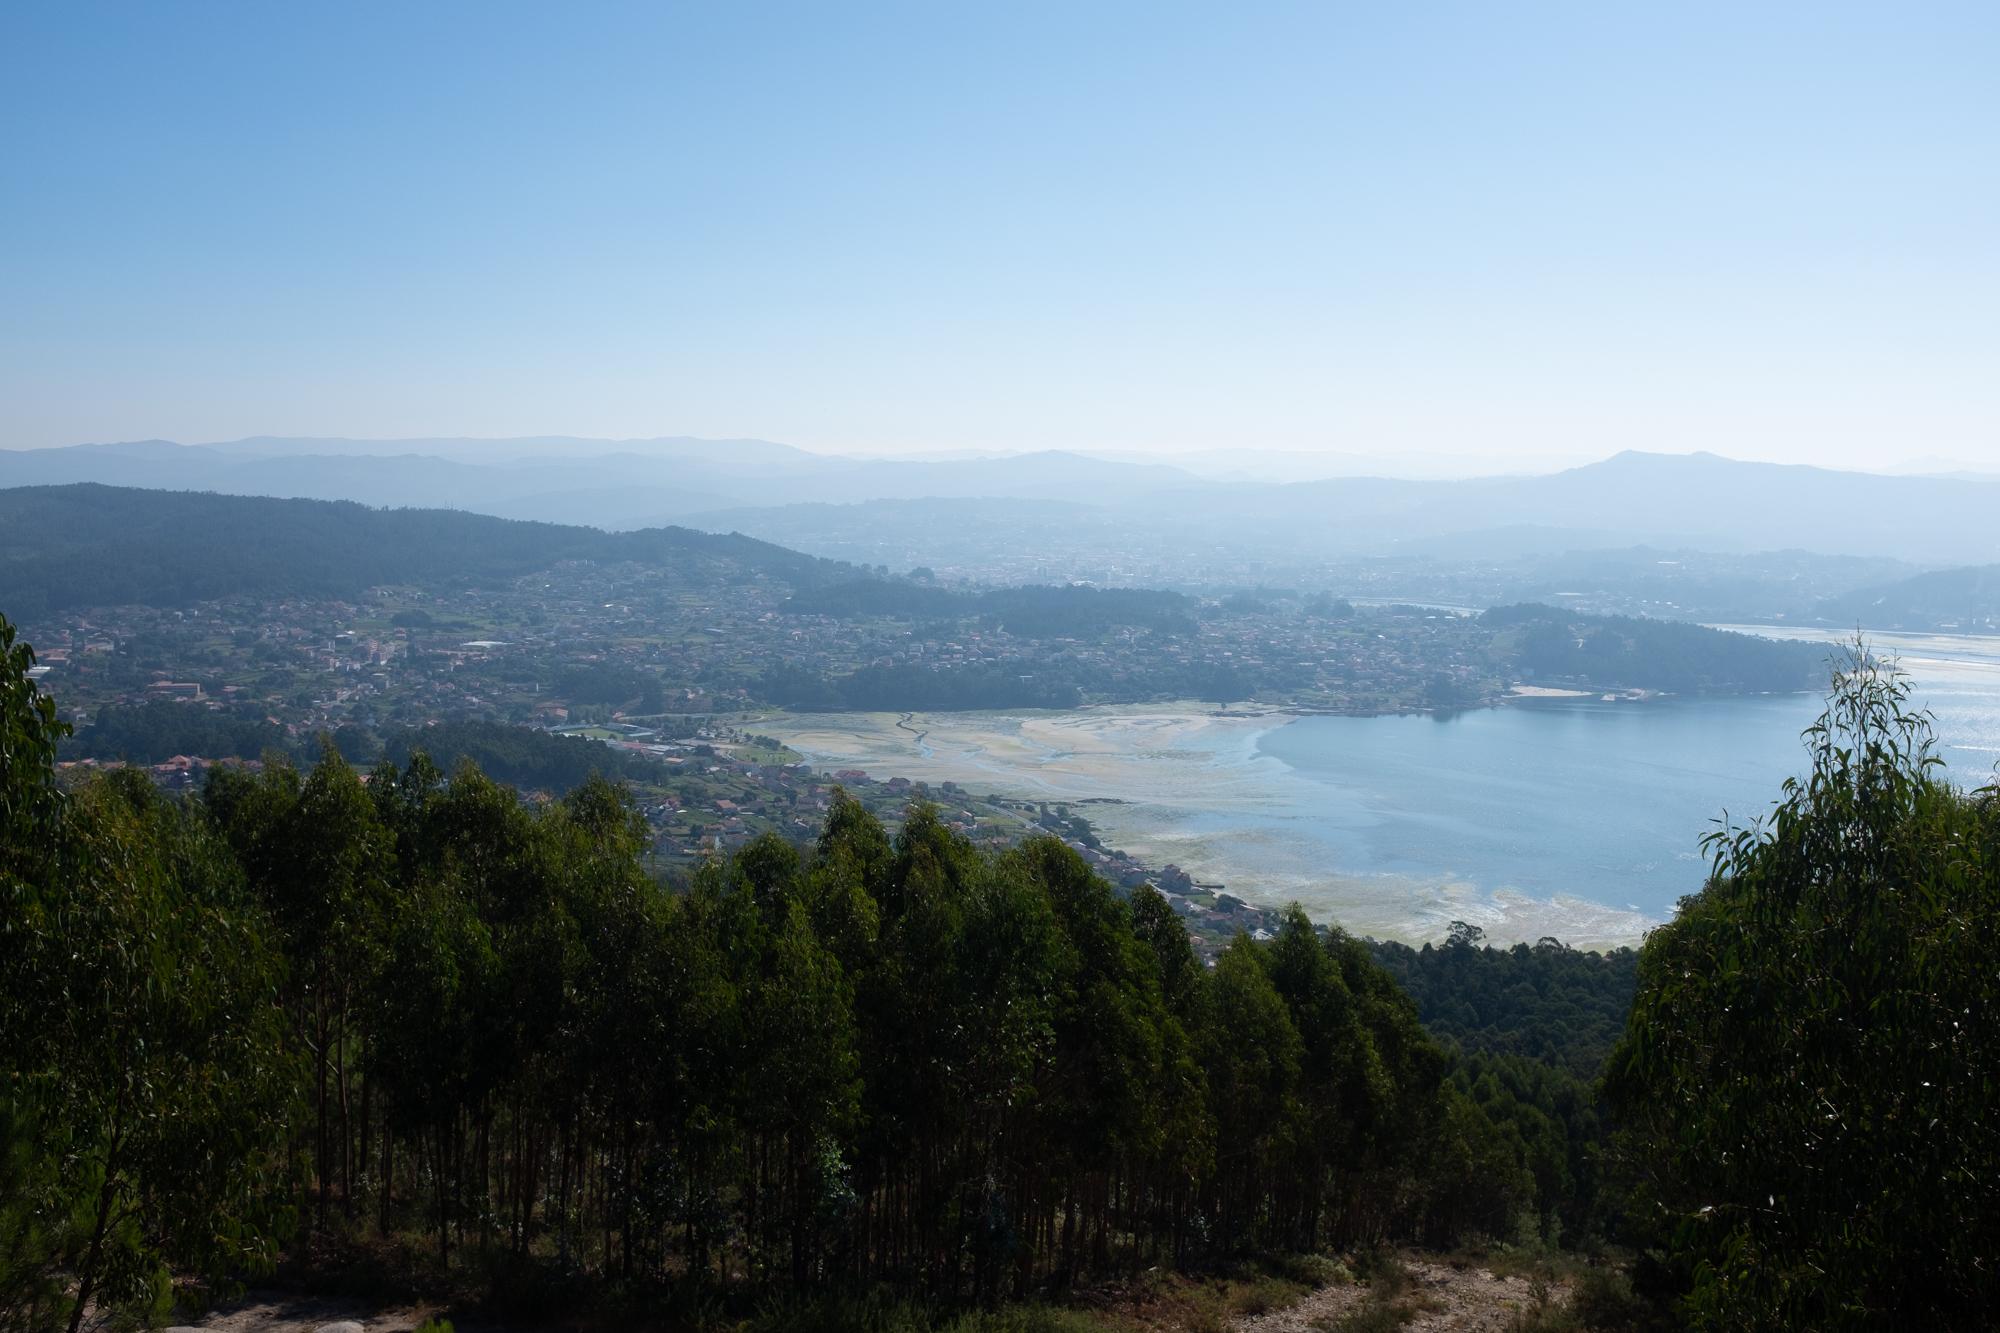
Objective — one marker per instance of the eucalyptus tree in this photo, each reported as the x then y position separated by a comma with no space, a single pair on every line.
1252,1054
163,1081
320,859
145,1079
32,838
855,1060
1809,1073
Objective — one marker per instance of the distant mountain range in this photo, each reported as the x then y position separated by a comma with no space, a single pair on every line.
610,484
89,544
969,509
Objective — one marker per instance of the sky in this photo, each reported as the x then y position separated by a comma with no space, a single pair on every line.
1488,231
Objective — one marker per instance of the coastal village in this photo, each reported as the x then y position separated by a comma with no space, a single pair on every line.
584,640
295,671
669,671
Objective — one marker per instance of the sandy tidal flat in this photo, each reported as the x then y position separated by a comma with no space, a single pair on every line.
1564,815
1190,785
1122,753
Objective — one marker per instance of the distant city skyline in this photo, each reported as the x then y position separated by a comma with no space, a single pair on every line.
1459,231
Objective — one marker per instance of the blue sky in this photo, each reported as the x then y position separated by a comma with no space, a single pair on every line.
1769,230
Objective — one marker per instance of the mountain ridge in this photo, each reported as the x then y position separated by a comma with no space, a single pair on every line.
1698,500
90,544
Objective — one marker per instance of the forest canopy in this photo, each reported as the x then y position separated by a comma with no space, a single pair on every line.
420,1003
88,545
1552,646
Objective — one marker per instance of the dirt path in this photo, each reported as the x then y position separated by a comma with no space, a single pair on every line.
306,1314
1440,1298
1443,1299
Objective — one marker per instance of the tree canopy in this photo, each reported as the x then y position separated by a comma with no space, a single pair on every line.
308,998
319,999
1808,1078
92,545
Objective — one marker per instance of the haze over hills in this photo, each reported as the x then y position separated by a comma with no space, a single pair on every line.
1248,463
1694,502
1698,501
1959,601
609,484
782,628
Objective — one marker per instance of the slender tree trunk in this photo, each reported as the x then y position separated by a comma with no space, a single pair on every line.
87,1283
346,1129
388,1174
107,1193
481,1156
363,1138
444,1208
322,1151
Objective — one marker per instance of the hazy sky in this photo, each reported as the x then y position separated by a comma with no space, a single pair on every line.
1768,230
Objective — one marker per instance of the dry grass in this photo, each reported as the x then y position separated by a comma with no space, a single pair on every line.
1213,1303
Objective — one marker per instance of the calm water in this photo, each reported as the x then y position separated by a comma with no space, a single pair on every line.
1573,799
1573,818
1606,802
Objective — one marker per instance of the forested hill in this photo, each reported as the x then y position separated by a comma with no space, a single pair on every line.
1554,647
1966,601
91,545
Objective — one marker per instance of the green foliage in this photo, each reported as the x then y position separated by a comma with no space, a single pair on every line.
31,828
524,757
1631,651
589,683
427,1005
1810,1070
1519,1148
153,732
1562,1006
30,806
157,1083
1602,1298
91,545
144,1078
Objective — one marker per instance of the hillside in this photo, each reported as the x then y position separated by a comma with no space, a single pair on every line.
1147,515
1288,532
1959,601
1550,646
91,545
1698,500
607,483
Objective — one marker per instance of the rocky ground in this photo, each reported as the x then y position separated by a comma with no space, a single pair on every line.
1438,1298
1428,1295
307,1314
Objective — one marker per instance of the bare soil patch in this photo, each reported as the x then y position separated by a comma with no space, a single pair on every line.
1437,1298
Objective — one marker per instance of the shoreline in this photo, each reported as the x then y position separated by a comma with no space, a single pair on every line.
1187,785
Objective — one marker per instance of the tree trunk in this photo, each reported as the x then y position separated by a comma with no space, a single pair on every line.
322,1150
388,1173
106,1194
346,1129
